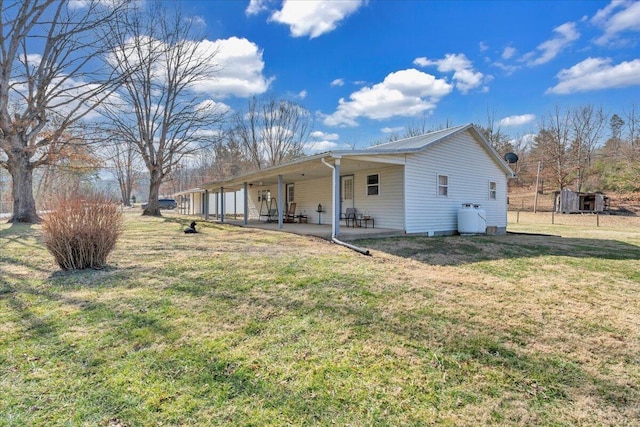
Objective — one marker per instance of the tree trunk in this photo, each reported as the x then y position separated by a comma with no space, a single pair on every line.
153,208
24,204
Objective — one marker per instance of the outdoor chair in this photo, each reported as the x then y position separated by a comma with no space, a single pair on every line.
291,213
271,215
349,217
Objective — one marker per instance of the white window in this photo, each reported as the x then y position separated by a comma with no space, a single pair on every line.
373,185
493,190
443,185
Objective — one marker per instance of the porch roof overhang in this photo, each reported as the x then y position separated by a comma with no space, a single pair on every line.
189,191
312,167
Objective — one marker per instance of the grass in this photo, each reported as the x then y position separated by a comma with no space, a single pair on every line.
235,326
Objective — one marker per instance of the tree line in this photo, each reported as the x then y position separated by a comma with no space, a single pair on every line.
581,148
115,85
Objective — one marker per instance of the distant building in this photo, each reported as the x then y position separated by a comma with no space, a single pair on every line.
567,201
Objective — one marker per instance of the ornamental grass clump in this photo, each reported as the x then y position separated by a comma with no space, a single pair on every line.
81,231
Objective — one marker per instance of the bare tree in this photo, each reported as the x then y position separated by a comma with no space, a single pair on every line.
551,147
49,80
158,108
73,166
271,132
633,129
123,163
500,141
229,161
588,128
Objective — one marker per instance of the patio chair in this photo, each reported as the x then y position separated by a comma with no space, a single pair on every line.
349,216
290,216
271,215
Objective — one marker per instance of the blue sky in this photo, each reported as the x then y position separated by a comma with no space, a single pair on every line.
365,69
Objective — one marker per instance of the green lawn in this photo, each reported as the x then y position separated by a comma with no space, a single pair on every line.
244,327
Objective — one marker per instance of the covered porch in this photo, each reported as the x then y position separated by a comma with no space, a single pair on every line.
321,189
323,231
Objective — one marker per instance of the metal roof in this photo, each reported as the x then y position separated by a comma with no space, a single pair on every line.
402,146
421,141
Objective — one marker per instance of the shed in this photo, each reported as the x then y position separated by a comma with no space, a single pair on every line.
567,201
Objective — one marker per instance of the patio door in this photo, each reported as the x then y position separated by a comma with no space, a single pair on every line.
346,193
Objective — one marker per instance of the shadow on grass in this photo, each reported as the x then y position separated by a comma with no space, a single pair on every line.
18,232
458,250
133,363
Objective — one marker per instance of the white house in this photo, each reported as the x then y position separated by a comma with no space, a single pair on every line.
414,185
198,201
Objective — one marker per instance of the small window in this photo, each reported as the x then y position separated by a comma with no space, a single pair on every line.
290,193
443,185
373,185
493,190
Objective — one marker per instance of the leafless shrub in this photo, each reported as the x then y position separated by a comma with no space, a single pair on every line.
81,231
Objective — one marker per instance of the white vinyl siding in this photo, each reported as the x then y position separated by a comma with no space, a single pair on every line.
469,167
386,208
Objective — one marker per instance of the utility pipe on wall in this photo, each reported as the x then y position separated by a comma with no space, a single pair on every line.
335,222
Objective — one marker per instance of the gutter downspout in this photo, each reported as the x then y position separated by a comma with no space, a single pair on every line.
334,239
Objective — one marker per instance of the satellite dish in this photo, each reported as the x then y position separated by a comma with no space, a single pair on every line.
511,157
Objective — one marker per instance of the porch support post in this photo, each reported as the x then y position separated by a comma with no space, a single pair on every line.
246,204
336,198
206,205
217,210
280,200
222,206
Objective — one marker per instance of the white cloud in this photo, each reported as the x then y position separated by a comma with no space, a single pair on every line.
198,20
314,17
302,94
483,47
597,73
78,4
240,68
465,76
403,93
322,135
32,59
614,21
236,63
213,107
337,82
518,120
315,147
211,133
256,6
509,69
83,4
392,130
524,142
546,51
508,52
